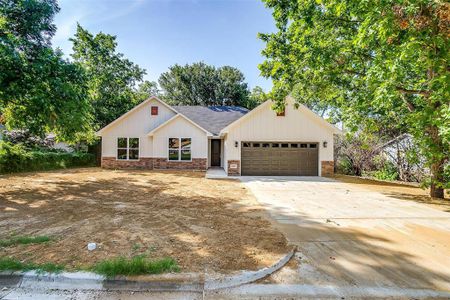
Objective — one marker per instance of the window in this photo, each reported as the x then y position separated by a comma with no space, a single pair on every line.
266,145
284,145
154,110
294,145
128,148
246,145
255,145
180,149
275,145
312,145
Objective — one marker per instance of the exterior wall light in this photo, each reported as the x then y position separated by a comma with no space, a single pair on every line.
236,144
325,144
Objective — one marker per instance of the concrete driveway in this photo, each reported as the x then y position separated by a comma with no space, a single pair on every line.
352,237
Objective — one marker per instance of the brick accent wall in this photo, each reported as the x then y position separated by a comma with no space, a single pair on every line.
327,168
234,171
113,163
195,164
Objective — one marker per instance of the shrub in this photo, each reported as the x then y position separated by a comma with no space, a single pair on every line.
387,172
344,166
16,158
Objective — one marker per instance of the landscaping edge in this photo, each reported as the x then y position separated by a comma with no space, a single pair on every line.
170,282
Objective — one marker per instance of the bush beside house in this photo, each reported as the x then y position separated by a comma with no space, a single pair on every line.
18,158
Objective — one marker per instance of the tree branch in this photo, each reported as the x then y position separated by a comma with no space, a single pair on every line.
413,92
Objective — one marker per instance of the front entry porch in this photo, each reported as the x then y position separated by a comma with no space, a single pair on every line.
216,173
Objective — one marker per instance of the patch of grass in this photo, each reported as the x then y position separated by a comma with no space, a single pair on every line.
11,264
138,265
136,246
24,240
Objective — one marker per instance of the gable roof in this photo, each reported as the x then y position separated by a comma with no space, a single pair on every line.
174,118
212,118
133,110
288,99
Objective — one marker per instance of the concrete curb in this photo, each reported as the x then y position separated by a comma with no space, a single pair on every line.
89,281
184,282
246,277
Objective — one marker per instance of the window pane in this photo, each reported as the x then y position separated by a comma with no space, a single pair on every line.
275,145
312,145
185,143
294,145
134,154
173,154
255,145
185,154
133,142
121,153
303,145
121,142
284,145
174,142
265,145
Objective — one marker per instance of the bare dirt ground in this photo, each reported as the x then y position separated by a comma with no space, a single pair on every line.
212,225
399,190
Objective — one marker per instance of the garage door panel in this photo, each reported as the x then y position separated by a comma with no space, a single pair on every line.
278,158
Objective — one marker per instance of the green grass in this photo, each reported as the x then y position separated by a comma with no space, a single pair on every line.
11,264
137,265
24,240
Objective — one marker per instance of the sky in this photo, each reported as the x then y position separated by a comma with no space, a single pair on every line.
156,34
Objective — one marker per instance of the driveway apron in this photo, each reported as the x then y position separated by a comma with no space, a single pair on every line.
351,237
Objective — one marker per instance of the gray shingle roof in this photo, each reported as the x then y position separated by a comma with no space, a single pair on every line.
212,118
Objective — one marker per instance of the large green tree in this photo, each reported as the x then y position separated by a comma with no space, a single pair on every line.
202,84
39,90
380,62
112,78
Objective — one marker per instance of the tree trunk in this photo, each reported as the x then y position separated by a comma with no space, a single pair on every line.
437,165
437,176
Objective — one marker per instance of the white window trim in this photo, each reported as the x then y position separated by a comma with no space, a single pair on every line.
179,149
128,148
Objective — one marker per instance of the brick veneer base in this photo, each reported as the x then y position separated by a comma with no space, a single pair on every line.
154,163
113,163
195,164
327,168
234,171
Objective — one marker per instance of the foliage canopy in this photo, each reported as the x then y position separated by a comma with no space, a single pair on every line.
380,63
202,84
39,90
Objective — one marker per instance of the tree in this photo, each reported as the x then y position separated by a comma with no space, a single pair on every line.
148,89
112,79
378,62
39,90
257,96
201,84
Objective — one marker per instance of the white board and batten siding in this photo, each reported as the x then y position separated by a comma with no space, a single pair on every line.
137,123
181,128
298,125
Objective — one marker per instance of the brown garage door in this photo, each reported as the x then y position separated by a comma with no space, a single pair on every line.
277,158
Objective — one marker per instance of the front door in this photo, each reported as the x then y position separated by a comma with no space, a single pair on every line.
215,153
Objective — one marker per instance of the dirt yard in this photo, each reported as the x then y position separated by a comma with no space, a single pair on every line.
206,225
399,190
